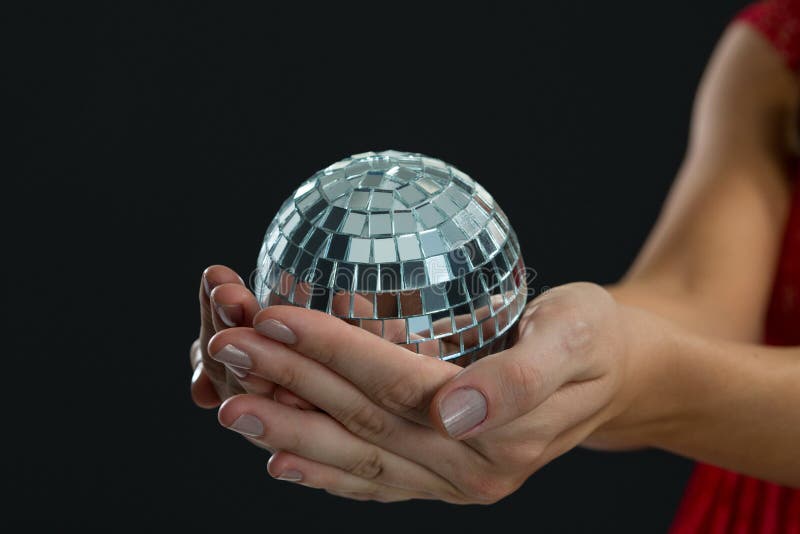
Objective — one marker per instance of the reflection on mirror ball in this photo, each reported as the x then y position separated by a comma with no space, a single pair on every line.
403,245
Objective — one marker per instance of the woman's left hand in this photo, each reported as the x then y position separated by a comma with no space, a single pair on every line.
395,425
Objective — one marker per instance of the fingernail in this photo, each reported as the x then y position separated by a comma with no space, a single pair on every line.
233,356
207,285
237,371
291,476
462,410
197,372
276,330
231,314
249,425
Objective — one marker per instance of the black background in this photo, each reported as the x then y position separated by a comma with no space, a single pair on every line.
155,140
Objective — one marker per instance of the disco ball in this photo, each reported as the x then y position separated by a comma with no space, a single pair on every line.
403,245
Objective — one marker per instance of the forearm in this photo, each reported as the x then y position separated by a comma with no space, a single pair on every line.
697,294
730,404
710,260
685,310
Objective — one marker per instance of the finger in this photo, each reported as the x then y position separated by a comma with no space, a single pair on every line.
232,304
501,387
488,329
202,390
250,383
346,304
304,377
195,354
421,345
569,413
391,376
293,468
232,384
256,385
362,307
341,400
240,380
287,398
212,277
216,275
203,393
318,437
365,308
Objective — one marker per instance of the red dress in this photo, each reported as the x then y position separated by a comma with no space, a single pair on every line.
720,501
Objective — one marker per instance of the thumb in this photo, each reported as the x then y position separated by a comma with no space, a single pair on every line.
504,386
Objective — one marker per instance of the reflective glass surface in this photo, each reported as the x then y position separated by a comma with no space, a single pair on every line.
403,245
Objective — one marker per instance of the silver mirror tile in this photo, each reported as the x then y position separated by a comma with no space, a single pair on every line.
403,245
359,250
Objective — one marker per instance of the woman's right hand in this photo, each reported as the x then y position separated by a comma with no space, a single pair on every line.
225,302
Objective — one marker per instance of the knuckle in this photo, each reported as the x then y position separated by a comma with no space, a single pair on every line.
488,488
366,421
325,354
594,291
368,466
337,335
287,376
520,382
577,333
575,316
400,395
295,440
292,441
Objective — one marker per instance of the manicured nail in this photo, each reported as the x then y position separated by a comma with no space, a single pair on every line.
239,372
197,372
276,330
231,314
291,475
462,410
249,425
208,285
233,356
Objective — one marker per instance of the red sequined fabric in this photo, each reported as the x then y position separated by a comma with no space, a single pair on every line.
717,501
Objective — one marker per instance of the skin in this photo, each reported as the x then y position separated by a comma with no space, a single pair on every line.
668,357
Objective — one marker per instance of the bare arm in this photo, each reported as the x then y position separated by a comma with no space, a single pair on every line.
734,405
709,262
708,266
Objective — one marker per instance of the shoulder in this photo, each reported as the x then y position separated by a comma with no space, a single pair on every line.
748,98
779,22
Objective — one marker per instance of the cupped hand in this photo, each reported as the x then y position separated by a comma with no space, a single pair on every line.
225,302
396,425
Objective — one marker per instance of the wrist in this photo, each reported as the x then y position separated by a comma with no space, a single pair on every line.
649,402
